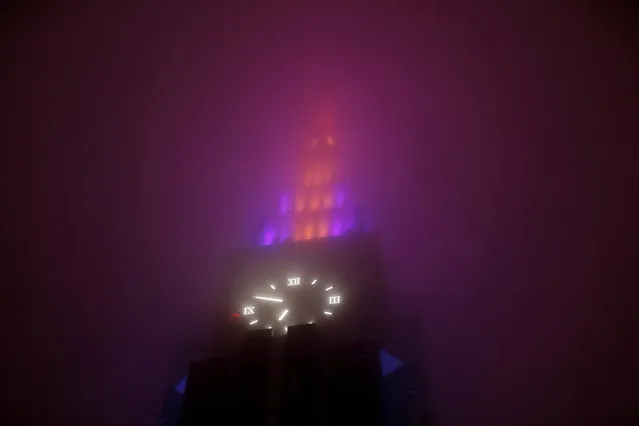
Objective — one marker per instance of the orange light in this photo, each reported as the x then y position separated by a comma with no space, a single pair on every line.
299,204
322,229
328,201
314,203
309,232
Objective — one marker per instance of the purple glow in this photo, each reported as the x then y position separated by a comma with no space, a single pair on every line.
339,198
336,228
269,236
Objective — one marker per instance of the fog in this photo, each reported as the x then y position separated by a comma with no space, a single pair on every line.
491,146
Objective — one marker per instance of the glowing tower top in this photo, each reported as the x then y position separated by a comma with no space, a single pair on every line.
317,206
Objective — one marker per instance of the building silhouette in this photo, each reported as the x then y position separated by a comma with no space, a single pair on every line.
348,364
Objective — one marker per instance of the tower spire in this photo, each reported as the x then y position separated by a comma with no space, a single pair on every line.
317,206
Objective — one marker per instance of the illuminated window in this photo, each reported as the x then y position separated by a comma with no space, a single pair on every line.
299,204
330,141
328,201
322,229
309,232
314,203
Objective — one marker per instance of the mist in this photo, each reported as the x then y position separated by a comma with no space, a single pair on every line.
491,146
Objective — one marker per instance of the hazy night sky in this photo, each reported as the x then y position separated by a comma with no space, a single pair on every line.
492,146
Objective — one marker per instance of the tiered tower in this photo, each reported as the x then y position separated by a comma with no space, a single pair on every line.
298,377
317,206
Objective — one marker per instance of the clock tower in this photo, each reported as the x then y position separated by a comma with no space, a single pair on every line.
304,319
315,239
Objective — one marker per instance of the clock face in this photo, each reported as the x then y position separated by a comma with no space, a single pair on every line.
292,300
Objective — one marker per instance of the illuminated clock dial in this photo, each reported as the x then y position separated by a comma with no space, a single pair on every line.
290,301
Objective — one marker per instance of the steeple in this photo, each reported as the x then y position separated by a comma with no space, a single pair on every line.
317,205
